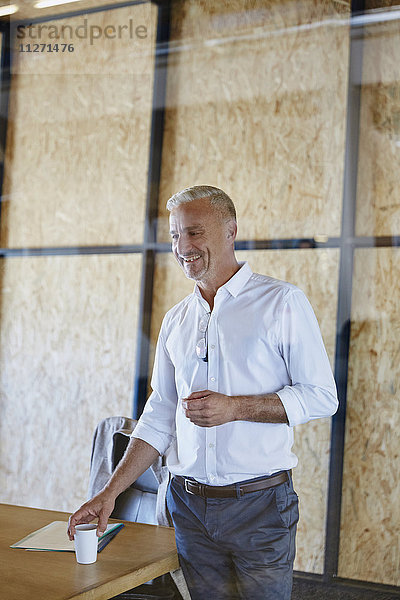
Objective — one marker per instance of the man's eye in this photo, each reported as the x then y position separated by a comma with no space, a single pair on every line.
174,236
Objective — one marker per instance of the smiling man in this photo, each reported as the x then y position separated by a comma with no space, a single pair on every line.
203,242
239,363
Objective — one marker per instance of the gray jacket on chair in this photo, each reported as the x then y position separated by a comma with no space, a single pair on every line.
145,500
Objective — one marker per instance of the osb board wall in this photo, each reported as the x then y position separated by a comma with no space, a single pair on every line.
377,4
370,528
312,440
67,356
78,134
312,445
256,104
170,287
378,193
28,11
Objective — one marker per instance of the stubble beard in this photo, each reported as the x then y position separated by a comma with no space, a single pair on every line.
190,269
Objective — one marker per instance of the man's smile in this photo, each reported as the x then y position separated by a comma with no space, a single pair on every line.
190,259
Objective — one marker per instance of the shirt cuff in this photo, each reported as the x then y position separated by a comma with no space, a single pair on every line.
295,410
159,441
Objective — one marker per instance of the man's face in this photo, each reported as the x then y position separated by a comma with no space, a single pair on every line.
202,242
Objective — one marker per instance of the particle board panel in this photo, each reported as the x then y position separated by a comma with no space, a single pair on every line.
370,524
312,441
374,5
27,9
378,194
170,287
256,104
305,267
67,356
78,136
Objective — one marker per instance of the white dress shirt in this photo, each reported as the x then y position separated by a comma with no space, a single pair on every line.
263,337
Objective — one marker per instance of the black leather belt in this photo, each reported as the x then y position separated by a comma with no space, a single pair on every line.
232,491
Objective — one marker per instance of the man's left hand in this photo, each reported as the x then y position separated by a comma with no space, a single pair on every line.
207,408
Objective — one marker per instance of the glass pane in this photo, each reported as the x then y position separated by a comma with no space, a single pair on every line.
378,194
312,440
256,105
369,547
67,359
79,130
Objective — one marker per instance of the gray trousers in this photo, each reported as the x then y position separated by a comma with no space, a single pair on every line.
236,548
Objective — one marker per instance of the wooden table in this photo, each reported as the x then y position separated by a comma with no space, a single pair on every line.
138,553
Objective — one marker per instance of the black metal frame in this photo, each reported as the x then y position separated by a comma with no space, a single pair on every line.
150,233
77,13
5,79
352,586
347,243
332,538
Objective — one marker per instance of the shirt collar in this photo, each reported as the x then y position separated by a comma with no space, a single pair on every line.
235,284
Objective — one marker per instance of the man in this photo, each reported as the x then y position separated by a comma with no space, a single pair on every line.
239,362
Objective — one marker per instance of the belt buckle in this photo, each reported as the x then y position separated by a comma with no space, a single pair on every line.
187,481
240,491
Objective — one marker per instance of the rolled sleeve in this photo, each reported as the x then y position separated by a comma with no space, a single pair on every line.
156,425
160,440
312,392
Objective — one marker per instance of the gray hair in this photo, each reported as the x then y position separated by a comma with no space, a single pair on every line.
218,198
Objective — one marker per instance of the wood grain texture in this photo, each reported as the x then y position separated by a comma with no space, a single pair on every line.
378,193
312,441
27,9
256,104
380,4
170,287
138,553
67,356
78,139
315,271
370,527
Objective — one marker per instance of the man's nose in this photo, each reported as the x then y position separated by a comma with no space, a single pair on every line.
184,245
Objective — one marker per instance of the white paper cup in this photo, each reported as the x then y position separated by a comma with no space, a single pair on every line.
86,540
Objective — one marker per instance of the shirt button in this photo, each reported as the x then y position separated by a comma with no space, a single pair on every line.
212,477
212,346
212,378
211,445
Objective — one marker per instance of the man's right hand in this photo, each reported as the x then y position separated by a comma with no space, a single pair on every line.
138,457
101,507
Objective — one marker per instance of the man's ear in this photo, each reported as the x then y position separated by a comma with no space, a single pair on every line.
231,230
